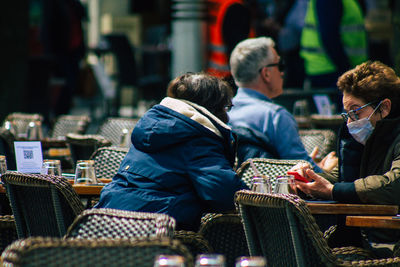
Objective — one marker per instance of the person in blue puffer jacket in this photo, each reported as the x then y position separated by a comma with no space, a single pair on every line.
182,154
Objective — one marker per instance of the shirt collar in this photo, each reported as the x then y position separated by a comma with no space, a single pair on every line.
253,93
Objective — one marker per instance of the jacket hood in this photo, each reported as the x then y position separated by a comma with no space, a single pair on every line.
174,121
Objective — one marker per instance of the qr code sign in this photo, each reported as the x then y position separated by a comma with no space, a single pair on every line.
28,154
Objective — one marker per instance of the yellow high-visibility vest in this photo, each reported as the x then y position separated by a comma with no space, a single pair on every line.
352,33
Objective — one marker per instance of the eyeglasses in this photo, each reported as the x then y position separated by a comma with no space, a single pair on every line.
228,108
352,113
281,66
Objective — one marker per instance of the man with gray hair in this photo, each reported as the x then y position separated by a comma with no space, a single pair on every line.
264,128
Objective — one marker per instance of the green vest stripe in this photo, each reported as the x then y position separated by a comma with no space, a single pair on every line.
353,37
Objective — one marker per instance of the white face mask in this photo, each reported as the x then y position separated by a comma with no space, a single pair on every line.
362,129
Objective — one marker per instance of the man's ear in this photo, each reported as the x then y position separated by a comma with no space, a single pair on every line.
265,75
386,107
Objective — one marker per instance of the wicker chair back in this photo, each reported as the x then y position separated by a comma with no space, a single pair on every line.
281,228
268,167
107,160
42,205
112,223
54,252
66,124
225,234
112,128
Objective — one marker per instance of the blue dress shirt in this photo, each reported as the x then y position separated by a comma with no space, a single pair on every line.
254,110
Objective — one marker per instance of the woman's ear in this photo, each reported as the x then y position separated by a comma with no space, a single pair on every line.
385,107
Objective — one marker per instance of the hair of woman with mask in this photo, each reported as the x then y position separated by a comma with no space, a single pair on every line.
372,82
205,90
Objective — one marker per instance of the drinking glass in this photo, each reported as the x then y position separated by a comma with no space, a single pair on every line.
169,261
261,184
51,166
85,172
285,185
301,111
34,131
125,138
211,260
3,165
255,261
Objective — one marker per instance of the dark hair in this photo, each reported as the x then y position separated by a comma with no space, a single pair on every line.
205,90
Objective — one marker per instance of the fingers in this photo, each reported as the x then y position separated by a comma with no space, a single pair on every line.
314,153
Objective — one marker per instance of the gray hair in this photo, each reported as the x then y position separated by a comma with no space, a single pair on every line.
248,57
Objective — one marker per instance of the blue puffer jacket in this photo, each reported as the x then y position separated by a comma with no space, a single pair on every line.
177,165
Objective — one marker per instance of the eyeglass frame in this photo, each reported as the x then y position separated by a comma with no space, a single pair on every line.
228,108
280,64
347,115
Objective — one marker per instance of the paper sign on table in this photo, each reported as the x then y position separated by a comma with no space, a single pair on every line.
28,156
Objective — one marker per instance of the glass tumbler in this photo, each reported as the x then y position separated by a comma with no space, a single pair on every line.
85,172
261,184
169,261
255,261
211,260
51,166
285,185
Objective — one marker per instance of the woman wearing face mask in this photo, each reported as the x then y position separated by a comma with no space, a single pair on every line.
368,145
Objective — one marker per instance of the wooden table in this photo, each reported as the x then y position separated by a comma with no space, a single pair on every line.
82,189
352,209
391,222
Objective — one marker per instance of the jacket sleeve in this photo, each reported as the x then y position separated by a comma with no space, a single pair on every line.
385,188
211,174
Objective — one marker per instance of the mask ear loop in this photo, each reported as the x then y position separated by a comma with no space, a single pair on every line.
375,110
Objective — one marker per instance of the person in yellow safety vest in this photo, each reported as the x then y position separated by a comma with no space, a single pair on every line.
229,22
333,40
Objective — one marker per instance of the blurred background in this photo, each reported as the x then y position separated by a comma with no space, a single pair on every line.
115,57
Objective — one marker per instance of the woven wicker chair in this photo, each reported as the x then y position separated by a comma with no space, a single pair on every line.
82,146
269,167
112,223
195,242
8,231
52,252
225,234
281,228
21,121
70,124
43,205
112,128
325,140
107,160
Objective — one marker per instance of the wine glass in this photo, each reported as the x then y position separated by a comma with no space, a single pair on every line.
261,184
51,166
255,261
285,185
211,260
85,172
169,261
